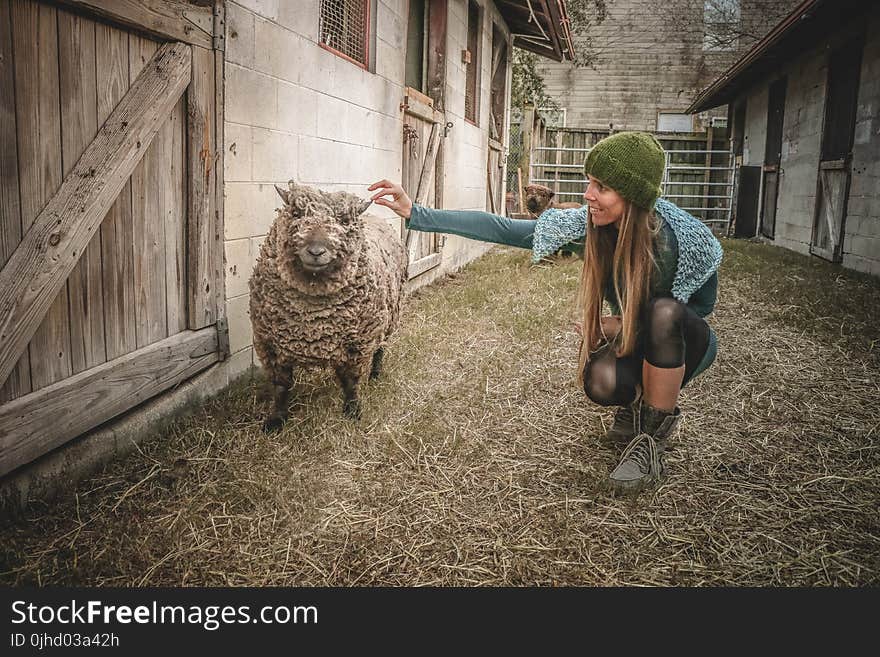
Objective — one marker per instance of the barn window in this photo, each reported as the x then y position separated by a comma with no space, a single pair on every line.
344,28
674,122
472,64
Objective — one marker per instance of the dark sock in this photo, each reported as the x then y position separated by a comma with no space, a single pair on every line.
651,418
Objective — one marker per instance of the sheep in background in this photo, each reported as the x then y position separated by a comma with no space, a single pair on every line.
325,293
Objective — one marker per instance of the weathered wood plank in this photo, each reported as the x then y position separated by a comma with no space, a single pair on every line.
201,225
422,265
79,118
179,21
35,44
32,425
19,381
111,47
217,254
42,262
148,221
173,201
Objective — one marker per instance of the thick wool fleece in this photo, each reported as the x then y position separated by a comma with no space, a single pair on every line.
337,318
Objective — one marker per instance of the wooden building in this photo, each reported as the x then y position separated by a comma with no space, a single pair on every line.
651,59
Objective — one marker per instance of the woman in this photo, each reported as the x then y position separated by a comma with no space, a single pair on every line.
653,263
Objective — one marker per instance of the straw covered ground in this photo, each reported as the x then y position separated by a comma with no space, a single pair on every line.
477,460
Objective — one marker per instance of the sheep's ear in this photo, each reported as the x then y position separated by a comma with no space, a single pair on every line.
347,207
354,208
550,194
284,194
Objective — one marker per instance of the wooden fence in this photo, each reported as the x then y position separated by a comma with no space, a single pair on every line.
699,173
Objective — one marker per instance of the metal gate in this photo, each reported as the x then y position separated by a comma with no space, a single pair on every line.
698,180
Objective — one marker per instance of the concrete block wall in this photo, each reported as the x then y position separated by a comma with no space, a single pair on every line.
296,110
861,242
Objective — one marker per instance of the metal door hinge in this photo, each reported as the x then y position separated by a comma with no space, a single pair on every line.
219,38
223,338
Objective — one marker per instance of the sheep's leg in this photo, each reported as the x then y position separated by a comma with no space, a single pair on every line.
281,382
349,378
376,367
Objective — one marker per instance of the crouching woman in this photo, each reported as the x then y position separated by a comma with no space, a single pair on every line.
652,262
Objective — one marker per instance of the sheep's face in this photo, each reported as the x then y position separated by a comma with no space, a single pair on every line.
319,237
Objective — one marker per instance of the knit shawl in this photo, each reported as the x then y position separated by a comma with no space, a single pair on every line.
699,252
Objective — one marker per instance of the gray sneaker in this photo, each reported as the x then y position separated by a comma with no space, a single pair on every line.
641,463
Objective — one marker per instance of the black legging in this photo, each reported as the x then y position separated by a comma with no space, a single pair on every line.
673,335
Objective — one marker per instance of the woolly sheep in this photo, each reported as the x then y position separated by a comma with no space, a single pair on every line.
325,292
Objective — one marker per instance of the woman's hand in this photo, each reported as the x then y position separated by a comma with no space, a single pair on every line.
611,326
400,202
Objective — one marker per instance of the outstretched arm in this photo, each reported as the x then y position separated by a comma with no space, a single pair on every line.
472,224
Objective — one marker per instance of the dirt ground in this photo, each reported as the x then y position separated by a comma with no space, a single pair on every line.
477,460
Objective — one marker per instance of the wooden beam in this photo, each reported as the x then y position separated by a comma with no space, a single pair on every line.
32,425
166,19
417,108
422,265
203,240
438,15
52,246
219,181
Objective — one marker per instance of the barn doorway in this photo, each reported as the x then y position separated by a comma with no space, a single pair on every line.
836,156
424,124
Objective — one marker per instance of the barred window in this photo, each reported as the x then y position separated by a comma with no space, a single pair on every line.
344,28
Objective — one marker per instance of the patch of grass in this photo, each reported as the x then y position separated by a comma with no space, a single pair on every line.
477,461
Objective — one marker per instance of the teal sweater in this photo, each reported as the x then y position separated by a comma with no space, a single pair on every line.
492,228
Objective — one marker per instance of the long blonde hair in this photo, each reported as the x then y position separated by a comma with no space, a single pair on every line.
631,264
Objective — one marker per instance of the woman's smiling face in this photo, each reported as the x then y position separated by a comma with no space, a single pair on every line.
606,205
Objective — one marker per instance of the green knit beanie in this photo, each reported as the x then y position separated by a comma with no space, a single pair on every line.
630,163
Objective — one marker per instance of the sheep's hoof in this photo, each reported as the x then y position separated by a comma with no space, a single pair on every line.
273,423
375,373
352,409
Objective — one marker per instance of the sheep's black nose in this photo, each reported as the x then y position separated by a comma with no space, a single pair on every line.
316,251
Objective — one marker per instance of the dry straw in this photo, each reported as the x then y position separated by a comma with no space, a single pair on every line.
477,461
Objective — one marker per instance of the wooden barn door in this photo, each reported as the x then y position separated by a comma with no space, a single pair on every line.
424,123
422,134
836,157
110,211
